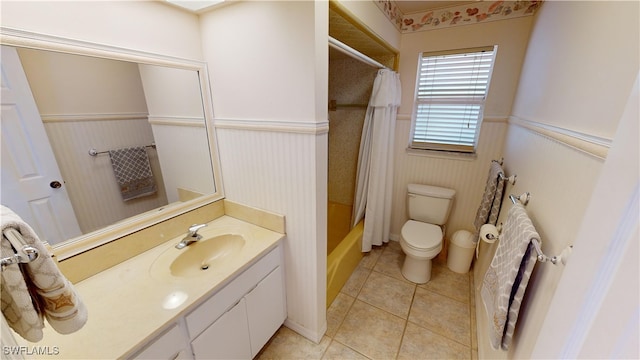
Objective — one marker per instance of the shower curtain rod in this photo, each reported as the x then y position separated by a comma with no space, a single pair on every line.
346,49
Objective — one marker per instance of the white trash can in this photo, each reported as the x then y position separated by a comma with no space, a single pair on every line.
461,250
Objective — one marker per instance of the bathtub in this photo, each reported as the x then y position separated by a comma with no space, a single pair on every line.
344,251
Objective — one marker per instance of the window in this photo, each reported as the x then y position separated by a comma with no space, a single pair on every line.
450,93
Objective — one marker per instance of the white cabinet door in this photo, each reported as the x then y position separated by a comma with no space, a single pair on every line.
226,338
170,345
266,309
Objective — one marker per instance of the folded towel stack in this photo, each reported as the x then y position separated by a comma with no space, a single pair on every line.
37,290
506,279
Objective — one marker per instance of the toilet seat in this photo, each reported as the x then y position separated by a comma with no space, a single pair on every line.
421,236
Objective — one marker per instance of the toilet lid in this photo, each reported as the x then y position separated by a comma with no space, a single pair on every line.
422,235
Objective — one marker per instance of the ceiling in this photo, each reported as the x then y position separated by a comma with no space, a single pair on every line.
410,6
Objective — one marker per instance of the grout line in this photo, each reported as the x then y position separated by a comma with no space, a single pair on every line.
345,345
406,323
413,298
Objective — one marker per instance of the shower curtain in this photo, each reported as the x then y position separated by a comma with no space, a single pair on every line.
374,179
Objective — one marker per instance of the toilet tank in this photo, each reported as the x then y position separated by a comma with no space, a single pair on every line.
430,204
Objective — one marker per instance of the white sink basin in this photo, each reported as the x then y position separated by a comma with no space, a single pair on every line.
198,257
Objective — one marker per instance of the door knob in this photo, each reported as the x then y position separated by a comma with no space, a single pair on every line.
55,184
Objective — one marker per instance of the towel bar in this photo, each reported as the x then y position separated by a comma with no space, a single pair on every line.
523,198
511,179
24,253
564,255
94,152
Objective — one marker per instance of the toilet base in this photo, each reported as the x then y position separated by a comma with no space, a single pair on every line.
416,270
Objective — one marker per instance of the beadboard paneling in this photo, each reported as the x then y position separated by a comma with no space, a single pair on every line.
90,181
466,176
286,173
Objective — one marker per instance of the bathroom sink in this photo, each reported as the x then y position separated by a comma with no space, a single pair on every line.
200,256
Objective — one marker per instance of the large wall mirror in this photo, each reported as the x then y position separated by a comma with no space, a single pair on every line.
67,106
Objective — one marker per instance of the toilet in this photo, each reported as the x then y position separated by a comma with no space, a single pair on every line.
421,236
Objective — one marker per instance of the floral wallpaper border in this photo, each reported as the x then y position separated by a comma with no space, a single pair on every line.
482,11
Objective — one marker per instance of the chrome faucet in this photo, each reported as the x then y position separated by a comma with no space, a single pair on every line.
191,237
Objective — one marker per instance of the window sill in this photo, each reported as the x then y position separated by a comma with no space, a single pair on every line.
438,154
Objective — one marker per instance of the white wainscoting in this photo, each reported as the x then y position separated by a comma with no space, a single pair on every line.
90,181
285,171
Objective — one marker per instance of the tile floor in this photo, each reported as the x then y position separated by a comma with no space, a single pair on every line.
380,315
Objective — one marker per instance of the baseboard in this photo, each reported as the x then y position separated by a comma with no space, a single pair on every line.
316,337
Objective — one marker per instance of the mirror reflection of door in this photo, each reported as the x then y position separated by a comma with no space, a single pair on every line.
32,185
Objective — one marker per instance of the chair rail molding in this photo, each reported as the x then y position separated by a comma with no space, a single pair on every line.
595,146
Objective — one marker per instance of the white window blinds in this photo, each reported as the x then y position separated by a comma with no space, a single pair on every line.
450,94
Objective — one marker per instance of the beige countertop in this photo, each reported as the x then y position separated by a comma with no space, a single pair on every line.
133,301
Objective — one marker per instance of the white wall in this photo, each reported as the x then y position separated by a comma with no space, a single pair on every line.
141,25
72,84
577,81
269,84
582,57
265,70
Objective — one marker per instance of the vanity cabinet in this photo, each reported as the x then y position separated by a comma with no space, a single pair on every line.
235,322
172,344
227,338
253,308
265,309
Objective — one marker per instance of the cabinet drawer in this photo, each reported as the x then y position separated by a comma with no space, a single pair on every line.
211,309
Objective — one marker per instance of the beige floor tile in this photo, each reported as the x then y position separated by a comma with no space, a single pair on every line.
390,263
388,294
287,344
448,283
421,343
442,314
370,331
369,260
393,246
337,312
355,282
338,351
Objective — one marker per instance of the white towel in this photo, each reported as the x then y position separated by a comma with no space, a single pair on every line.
492,199
37,290
506,279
